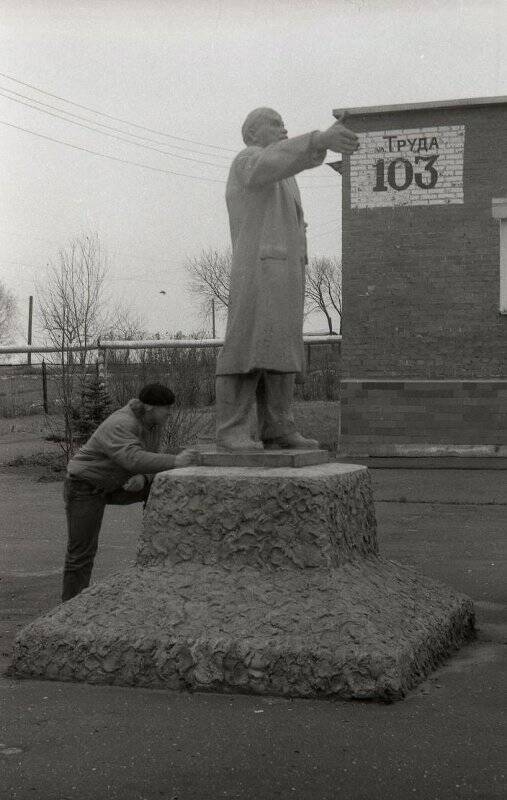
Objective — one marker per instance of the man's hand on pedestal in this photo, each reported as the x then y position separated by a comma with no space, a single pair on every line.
185,459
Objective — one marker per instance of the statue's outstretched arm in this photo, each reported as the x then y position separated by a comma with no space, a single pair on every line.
259,166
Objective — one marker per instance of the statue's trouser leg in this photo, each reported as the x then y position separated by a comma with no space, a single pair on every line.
274,399
235,400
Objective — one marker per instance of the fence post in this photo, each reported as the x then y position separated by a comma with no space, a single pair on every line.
102,363
44,387
30,317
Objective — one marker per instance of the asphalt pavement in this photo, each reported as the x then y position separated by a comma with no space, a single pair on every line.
446,740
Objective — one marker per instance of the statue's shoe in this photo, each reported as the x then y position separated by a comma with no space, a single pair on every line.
293,441
239,444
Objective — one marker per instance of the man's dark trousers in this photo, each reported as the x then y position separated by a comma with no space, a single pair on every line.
84,506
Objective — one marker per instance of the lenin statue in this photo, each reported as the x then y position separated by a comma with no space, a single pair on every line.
263,349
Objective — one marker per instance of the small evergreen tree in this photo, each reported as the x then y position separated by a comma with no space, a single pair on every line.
95,404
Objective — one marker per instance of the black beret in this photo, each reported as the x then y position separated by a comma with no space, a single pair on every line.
156,394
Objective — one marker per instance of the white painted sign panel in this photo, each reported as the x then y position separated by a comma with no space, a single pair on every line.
410,167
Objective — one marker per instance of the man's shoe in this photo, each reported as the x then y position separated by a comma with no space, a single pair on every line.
239,444
293,441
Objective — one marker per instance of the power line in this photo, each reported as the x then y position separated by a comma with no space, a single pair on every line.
111,135
113,158
126,122
102,125
116,119
135,163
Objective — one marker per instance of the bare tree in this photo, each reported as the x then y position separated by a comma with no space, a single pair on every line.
125,324
210,278
8,311
71,301
72,309
323,290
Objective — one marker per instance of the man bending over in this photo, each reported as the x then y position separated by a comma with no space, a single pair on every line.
115,466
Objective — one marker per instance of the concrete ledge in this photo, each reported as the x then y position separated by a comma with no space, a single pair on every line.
212,457
423,450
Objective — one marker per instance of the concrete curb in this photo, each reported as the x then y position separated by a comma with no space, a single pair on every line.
426,451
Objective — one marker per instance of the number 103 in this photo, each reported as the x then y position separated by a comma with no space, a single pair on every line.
424,180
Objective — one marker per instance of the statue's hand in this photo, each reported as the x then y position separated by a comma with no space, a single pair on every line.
338,138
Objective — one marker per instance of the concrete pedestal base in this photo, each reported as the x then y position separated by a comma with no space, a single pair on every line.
255,580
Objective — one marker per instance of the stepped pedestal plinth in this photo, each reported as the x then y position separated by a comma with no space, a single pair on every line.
255,579
214,457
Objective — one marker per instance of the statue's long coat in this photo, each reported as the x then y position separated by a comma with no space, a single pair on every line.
265,322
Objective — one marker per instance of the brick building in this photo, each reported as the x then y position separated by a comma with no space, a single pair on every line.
425,275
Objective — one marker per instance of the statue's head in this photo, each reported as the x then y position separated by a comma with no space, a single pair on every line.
263,126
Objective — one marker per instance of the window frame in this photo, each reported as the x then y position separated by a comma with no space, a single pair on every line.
499,211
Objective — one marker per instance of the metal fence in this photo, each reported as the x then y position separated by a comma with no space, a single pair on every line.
188,365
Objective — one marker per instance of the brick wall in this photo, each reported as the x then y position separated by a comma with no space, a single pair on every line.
426,412
421,279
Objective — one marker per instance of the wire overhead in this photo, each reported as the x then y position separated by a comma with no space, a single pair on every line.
135,136
125,133
116,119
113,135
112,158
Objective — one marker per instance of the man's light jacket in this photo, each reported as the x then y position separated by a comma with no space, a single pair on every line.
121,446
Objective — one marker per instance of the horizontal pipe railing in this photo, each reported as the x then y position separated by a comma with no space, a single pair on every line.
147,344
114,344
76,348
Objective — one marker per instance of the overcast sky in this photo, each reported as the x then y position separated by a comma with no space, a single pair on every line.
192,71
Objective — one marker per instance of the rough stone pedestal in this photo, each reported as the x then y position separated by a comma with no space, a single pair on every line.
255,580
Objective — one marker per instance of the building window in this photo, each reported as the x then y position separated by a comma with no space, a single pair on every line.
499,205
